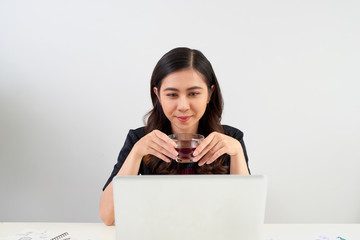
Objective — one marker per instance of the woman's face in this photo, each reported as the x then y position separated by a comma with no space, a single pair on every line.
184,96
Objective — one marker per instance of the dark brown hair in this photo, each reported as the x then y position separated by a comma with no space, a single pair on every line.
175,60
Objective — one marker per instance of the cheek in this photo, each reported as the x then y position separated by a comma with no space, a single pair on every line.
200,106
168,107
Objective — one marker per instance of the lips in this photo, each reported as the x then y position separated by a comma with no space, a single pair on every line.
184,118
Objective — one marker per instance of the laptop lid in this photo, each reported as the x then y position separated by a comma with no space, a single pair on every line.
164,207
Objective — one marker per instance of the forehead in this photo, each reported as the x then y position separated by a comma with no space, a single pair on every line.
184,79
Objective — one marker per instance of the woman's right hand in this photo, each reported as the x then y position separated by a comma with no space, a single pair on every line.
157,144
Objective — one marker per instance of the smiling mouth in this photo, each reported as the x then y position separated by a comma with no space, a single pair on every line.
183,119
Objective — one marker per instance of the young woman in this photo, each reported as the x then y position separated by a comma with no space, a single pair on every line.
186,98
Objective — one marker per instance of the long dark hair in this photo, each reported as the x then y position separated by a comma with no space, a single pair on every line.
175,60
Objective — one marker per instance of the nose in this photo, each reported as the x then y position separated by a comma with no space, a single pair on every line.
183,104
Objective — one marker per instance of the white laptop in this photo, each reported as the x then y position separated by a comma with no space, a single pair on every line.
174,207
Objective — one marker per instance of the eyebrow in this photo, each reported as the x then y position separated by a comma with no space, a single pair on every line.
177,90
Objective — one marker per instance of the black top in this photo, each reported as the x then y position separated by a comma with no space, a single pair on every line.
185,168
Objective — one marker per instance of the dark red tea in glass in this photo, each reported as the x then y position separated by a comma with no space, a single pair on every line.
186,144
185,153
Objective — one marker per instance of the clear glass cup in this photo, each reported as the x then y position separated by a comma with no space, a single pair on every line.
186,143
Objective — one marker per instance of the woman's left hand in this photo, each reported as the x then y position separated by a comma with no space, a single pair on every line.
215,145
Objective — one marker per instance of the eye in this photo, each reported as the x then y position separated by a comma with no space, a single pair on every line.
193,94
171,94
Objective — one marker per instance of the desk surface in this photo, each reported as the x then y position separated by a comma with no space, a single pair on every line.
98,231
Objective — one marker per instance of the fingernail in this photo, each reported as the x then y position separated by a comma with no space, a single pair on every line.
195,153
195,159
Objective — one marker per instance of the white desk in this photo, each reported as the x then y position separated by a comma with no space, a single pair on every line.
93,231
98,231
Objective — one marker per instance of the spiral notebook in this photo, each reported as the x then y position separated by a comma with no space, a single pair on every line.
31,234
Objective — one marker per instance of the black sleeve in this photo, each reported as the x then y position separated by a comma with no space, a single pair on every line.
132,137
244,149
238,135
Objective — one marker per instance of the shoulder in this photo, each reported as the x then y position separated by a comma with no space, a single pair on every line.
233,132
137,133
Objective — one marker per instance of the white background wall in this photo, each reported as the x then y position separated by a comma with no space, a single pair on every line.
74,78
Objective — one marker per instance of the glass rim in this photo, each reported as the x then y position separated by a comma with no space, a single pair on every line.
186,135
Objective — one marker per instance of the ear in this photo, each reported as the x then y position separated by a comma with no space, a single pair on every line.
211,90
156,91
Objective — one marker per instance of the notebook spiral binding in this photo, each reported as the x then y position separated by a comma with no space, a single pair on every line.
60,236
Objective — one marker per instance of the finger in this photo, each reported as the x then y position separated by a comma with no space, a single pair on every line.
203,144
205,150
165,149
165,138
211,155
157,154
216,155
203,160
164,144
